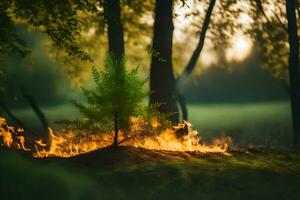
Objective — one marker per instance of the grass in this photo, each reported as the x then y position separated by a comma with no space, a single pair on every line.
142,174
266,123
21,178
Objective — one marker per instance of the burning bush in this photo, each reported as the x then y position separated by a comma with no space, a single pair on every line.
115,103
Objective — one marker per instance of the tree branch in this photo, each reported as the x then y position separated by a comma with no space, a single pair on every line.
260,7
16,120
196,54
37,111
281,23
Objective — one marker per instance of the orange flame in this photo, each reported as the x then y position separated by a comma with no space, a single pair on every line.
168,141
70,144
67,145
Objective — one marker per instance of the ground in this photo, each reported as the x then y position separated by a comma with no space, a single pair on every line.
130,173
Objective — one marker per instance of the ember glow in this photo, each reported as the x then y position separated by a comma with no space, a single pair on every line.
69,144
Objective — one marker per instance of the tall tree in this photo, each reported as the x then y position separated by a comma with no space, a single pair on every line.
294,68
162,81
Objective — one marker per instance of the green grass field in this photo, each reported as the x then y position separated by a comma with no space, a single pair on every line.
266,123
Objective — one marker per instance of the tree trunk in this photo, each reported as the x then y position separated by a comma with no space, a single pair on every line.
115,143
161,73
112,14
115,34
294,69
193,60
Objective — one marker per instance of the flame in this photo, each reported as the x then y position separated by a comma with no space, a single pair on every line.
6,133
68,144
41,143
169,141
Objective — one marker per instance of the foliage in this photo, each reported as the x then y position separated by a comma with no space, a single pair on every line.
270,30
58,19
9,40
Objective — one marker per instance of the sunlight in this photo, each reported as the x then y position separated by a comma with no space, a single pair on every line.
240,49
181,20
90,32
244,19
208,58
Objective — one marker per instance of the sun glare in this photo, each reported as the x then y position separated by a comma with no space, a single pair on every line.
208,58
240,49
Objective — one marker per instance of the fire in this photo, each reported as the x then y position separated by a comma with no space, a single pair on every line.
68,144
169,141
6,133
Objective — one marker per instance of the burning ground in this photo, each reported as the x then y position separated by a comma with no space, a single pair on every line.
69,144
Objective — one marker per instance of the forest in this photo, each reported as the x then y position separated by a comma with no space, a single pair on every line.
149,99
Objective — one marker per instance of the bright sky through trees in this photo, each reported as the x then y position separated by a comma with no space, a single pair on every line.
241,45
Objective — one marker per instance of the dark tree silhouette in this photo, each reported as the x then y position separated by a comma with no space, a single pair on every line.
162,81
294,68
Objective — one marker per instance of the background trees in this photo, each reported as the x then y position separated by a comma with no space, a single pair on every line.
276,30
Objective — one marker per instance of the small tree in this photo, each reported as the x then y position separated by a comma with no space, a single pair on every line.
118,96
